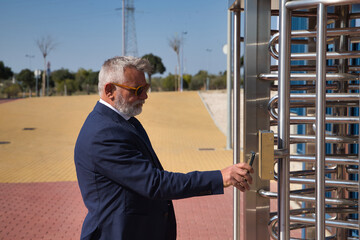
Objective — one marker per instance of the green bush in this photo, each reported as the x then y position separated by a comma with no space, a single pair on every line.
168,83
12,90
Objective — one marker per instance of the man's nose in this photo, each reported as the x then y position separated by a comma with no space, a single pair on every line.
143,95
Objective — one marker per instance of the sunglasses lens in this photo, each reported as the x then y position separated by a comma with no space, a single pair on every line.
140,90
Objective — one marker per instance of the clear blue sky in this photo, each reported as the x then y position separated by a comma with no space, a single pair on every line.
88,32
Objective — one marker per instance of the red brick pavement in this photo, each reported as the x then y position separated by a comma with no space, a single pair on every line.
54,210
5,100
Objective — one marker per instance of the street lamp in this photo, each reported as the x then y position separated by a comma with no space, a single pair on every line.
30,57
37,73
182,60
207,77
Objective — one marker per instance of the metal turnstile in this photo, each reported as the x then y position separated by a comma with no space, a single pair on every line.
299,111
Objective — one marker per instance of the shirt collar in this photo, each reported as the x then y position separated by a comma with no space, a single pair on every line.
126,117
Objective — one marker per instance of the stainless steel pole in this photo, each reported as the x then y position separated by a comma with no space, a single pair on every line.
236,111
320,120
359,164
284,122
229,85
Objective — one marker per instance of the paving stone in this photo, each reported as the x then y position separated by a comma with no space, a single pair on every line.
39,196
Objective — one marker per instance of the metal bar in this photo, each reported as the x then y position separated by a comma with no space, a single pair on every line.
329,55
304,14
341,44
354,15
328,96
236,116
335,32
310,119
284,123
345,119
327,182
302,4
328,160
352,170
330,223
303,198
332,68
311,77
310,87
256,93
320,120
358,220
304,173
228,84
311,139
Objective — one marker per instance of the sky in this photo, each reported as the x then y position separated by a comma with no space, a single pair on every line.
88,32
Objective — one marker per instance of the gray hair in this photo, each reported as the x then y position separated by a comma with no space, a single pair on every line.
113,69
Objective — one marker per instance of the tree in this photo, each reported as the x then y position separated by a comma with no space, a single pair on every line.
86,79
27,78
62,74
93,80
5,72
12,90
156,84
81,77
65,81
175,44
46,45
168,83
218,81
156,63
198,81
187,80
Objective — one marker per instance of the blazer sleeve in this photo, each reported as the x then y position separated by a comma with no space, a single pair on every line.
120,156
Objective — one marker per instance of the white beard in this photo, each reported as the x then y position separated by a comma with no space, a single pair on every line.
130,110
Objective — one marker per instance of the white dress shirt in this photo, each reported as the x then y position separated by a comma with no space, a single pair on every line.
126,117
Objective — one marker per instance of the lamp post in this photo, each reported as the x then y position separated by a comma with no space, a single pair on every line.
207,77
30,57
37,74
182,60
47,78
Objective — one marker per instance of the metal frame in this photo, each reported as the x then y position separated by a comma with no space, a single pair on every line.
249,208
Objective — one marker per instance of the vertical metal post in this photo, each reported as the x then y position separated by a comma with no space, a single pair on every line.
358,149
254,114
284,121
228,84
320,120
236,121
341,129
37,80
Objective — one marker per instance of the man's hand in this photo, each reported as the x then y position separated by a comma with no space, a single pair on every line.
238,175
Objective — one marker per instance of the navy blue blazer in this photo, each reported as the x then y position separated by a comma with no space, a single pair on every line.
124,187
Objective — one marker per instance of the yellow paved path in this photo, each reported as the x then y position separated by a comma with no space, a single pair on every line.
178,125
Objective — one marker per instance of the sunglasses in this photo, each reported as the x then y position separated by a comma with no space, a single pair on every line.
138,90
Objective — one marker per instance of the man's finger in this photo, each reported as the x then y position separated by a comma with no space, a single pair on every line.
248,178
245,166
239,186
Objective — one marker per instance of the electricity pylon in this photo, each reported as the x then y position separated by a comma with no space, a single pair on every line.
129,43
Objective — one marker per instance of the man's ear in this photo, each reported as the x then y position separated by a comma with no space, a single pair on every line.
109,90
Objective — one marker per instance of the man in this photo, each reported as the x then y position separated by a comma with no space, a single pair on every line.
127,192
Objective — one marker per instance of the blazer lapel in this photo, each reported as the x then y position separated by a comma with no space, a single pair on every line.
134,126
141,131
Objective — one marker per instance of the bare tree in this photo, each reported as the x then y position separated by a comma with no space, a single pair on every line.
175,44
46,45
